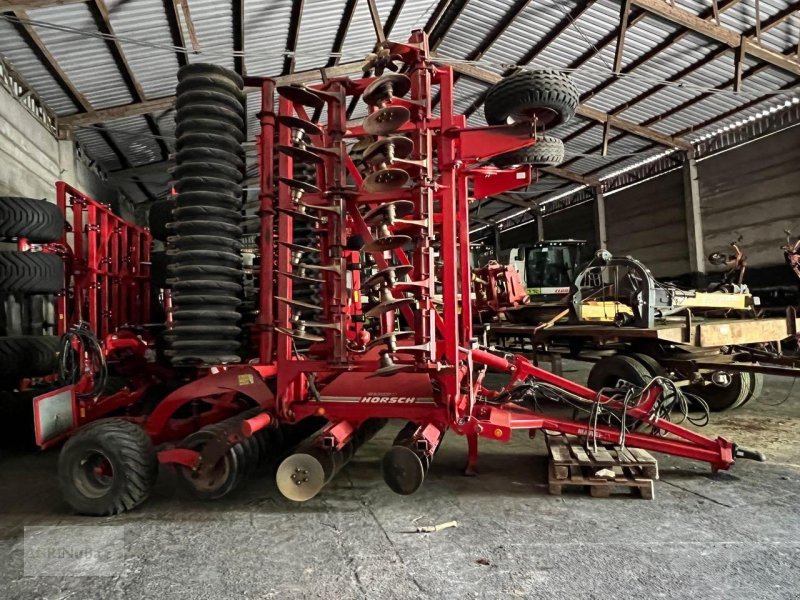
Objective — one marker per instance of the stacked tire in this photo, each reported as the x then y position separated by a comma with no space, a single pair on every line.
24,274
204,259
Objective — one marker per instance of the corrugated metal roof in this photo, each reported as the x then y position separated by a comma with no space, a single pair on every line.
318,27
213,22
266,25
360,38
85,60
25,61
586,46
154,68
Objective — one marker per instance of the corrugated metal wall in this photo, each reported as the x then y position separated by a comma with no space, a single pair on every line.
648,222
752,191
576,223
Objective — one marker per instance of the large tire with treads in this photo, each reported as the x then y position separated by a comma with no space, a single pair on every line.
38,221
720,398
548,151
28,356
205,263
133,467
31,272
610,371
546,96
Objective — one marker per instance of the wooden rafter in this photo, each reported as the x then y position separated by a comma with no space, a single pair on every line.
341,32
175,31
718,33
37,45
237,14
161,104
712,56
293,35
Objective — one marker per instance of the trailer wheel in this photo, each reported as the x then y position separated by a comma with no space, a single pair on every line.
547,96
721,398
613,371
40,221
548,151
109,466
756,387
31,272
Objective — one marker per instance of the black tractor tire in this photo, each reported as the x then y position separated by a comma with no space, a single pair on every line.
206,227
214,199
209,111
756,387
129,452
28,356
210,82
208,184
548,151
550,97
210,70
31,272
210,169
610,370
210,155
214,136
204,242
720,398
39,221
213,97
159,216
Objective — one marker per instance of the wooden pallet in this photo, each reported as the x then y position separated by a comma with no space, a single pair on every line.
573,465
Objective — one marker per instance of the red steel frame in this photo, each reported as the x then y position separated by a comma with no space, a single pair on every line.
108,263
443,348
442,389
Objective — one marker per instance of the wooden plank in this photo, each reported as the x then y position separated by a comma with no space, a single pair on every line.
601,456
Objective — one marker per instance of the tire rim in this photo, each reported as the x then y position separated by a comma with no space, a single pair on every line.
93,475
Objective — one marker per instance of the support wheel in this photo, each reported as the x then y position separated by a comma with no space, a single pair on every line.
726,397
107,467
219,481
618,370
756,387
547,97
548,151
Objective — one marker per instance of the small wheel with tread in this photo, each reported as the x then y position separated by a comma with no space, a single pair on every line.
108,467
548,151
547,97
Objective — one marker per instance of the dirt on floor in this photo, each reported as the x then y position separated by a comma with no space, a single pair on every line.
733,534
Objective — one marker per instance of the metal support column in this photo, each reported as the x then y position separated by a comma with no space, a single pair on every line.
601,236
694,221
539,225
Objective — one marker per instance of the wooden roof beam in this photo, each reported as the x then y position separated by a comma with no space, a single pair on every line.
718,33
51,64
167,102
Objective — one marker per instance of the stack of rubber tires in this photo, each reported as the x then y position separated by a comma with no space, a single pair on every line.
204,257
24,275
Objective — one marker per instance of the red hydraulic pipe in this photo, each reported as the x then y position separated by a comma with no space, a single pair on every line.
266,336
254,424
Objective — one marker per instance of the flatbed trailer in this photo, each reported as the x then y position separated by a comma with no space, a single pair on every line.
695,352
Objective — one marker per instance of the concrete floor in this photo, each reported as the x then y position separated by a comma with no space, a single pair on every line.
730,535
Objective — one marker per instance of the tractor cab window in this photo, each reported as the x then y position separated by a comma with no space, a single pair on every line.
551,266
